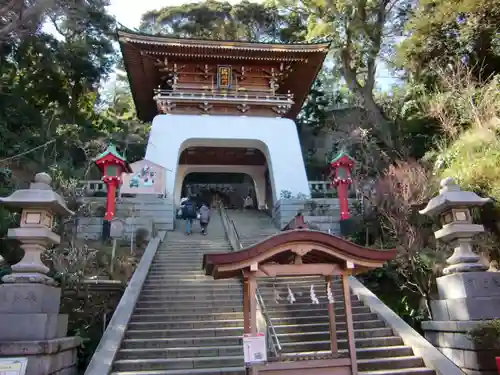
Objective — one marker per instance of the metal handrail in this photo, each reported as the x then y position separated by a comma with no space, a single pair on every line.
275,344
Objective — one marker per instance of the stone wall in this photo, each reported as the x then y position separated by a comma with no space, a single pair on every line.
452,339
286,209
139,212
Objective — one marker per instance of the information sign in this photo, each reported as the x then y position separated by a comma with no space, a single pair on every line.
13,366
254,348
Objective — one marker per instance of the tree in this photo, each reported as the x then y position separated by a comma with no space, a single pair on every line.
449,32
223,21
20,17
399,194
362,33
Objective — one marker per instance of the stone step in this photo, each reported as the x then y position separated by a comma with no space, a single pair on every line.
288,347
175,283
187,309
165,297
324,345
234,350
159,363
325,334
195,324
173,317
172,333
227,294
293,310
292,336
206,351
185,341
177,363
400,371
221,288
190,304
391,363
202,371
304,319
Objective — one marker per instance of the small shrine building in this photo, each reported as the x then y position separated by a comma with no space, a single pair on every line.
220,106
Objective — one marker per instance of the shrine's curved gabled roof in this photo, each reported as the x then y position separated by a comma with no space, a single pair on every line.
313,247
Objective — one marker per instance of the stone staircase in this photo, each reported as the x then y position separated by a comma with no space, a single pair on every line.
184,322
303,328
187,323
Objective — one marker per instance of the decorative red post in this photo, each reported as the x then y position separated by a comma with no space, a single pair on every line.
112,165
340,171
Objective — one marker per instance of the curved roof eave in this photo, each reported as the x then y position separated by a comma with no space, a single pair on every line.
348,250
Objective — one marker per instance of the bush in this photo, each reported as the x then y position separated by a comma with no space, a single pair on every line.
486,335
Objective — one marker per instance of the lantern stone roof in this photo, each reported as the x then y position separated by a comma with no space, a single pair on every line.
340,155
315,248
40,195
140,51
451,196
112,151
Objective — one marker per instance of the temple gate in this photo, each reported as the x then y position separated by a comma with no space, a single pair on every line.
300,252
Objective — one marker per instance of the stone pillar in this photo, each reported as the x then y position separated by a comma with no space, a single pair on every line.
468,294
30,323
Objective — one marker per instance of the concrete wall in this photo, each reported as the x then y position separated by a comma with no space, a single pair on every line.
285,209
277,138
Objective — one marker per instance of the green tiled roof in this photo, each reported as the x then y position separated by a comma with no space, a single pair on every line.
113,151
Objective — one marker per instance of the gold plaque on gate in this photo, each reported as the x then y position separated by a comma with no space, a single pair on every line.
224,77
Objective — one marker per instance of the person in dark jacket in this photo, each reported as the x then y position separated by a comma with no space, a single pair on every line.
188,213
204,218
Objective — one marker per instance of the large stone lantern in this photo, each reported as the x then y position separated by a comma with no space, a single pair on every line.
452,206
39,204
31,327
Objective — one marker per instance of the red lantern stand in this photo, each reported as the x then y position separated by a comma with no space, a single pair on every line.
112,165
340,172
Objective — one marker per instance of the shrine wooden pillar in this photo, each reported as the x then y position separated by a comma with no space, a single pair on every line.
333,323
246,306
349,324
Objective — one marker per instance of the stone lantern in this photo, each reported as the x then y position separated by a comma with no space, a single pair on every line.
341,167
467,295
31,327
39,204
452,206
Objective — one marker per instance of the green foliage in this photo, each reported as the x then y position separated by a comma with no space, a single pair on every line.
221,20
443,32
486,335
469,114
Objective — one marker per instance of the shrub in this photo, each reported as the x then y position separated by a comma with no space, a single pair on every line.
486,335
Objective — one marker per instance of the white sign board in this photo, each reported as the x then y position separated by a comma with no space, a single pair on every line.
254,348
117,228
13,366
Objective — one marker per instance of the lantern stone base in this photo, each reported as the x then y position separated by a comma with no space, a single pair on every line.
31,327
29,298
452,339
467,300
467,296
45,357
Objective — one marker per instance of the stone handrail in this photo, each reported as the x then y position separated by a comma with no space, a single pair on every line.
235,242
103,357
432,357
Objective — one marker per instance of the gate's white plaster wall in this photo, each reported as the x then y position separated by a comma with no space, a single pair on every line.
257,172
277,138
